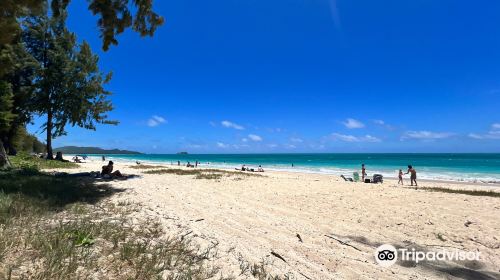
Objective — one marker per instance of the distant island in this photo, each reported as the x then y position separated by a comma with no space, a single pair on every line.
182,153
92,150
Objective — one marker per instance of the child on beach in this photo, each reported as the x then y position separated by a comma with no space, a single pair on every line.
400,177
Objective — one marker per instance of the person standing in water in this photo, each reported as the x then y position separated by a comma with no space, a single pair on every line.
363,172
413,176
400,175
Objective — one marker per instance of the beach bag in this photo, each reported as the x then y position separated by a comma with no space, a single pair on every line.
378,178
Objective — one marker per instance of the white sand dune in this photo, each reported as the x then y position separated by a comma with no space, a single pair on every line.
251,217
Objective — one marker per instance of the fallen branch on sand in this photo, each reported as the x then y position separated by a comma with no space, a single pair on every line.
278,256
305,276
300,238
184,235
342,242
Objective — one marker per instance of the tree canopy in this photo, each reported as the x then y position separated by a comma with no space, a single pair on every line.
114,16
23,91
68,85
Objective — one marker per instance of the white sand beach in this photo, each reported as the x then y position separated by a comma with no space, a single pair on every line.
255,219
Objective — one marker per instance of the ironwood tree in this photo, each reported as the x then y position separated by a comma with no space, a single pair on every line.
68,85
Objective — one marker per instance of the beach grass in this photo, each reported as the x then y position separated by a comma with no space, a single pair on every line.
145,166
462,191
27,161
201,173
54,228
209,176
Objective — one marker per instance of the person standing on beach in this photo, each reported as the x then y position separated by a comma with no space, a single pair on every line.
413,176
400,177
363,172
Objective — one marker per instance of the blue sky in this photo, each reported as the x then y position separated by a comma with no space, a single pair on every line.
228,76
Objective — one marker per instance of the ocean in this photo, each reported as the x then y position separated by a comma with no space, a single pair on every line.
455,167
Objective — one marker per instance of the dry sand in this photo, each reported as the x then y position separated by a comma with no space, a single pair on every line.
251,217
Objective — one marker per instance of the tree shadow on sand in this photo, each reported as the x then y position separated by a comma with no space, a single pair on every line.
56,192
459,269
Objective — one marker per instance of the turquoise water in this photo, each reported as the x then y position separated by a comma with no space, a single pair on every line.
461,167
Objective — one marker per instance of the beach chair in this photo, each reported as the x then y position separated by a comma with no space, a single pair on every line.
355,175
347,179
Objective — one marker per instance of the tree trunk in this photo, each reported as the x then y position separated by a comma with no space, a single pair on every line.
4,159
50,154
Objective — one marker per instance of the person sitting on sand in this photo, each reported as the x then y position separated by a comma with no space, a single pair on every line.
108,170
243,168
413,176
260,169
400,177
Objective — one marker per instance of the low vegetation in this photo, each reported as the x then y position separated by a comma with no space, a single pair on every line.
26,161
202,173
145,166
52,228
209,176
462,191
260,270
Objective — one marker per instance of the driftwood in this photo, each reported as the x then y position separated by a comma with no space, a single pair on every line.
300,238
184,236
305,276
278,256
342,242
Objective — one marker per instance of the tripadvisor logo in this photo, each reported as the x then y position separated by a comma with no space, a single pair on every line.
387,255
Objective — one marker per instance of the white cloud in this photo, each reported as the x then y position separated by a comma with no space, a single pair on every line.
229,124
296,140
494,133
475,136
244,140
156,121
290,146
352,138
383,124
426,135
212,123
221,145
255,138
272,145
353,124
